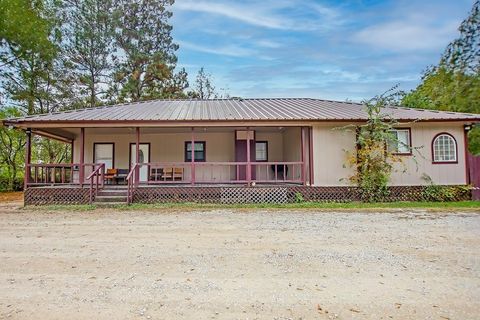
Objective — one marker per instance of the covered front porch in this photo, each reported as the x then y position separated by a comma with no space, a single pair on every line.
163,156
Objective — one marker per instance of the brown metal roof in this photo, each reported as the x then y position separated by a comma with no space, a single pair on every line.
239,110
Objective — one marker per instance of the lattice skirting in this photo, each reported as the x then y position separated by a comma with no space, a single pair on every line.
53,196
228,195
275,194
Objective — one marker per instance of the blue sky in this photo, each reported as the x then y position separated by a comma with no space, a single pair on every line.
321,49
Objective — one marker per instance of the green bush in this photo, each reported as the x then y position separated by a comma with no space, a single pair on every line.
5,184
299,197
446,193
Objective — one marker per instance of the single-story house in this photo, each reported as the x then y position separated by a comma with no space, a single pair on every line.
230,150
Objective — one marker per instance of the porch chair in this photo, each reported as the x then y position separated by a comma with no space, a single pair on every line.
177,173
172,174
167,174
110,176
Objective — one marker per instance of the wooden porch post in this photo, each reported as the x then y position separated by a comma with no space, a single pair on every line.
192,163
310,155
81,172
137,155
304,156
249,167
28,158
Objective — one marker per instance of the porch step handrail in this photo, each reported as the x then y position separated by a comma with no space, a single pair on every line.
131,184
95,175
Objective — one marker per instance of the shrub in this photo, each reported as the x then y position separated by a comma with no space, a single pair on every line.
446,193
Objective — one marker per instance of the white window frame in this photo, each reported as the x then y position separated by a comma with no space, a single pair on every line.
264,142
434,149
396,149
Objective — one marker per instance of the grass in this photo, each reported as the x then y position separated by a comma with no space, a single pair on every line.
350,206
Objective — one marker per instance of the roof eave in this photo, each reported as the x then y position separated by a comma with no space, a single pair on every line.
92,123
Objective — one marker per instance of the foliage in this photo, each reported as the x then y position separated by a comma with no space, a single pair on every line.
12,143
373,161
88,47
61,55
299,197
435,192
463,54
24,27
203,89
448,90
454,85
146,59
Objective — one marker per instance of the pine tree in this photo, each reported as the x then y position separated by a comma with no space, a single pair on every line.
89,47
146,58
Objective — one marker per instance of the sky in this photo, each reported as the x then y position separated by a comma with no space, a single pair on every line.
335,50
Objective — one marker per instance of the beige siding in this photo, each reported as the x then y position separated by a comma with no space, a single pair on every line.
292,150
421,163
329,147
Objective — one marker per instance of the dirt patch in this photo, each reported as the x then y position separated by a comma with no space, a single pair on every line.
230,264
11,197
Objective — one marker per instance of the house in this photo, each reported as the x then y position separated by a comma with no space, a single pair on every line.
232,150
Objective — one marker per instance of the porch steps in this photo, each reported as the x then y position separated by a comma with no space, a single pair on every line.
111,196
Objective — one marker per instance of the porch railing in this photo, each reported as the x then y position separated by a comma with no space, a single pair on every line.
96,179
131,183
213,172
57,174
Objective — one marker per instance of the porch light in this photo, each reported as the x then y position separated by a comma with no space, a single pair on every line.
467,128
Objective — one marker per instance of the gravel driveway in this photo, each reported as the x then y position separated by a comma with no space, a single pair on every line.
238,264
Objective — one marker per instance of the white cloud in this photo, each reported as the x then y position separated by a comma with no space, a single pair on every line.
229,50
266,13
407,35
232,11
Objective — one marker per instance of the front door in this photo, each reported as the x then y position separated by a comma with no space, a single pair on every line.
241,153
144,157
104,153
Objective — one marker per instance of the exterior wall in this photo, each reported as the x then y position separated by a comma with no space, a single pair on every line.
329,146
292,149
420,163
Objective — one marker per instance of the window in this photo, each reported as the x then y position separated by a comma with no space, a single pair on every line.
104,153
261,151
199,151
401,143
444,148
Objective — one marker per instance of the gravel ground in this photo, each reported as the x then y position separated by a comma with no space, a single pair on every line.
238,264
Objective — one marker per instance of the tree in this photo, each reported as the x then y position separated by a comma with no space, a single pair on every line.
373,161
23,27
12,144
454,85
146,59
89,47
463,54
204,88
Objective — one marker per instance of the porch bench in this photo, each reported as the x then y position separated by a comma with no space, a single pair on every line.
172,174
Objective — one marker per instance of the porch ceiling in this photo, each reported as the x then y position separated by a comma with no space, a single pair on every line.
74,132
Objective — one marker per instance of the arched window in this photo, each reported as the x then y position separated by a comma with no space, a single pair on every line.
444,148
